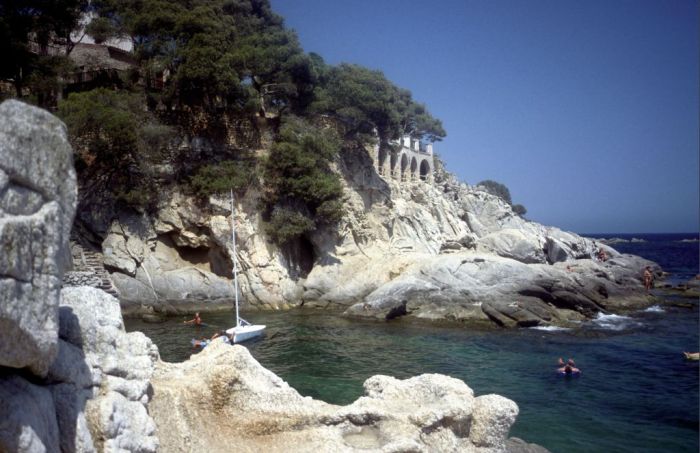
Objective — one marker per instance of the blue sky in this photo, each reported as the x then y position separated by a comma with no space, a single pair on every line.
586,110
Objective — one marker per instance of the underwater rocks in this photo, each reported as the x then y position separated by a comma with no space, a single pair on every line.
223,396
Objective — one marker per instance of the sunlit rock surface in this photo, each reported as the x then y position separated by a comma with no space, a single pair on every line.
37,204
223,397
72,378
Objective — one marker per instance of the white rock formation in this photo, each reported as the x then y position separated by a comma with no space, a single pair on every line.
399,250
37,204
72,378
222,397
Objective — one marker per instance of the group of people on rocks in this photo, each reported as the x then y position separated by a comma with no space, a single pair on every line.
647,275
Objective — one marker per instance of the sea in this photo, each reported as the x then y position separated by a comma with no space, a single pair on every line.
636,392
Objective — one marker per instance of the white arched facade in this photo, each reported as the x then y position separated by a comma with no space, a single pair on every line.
412,161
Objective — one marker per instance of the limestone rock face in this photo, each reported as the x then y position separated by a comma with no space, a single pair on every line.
37,205
445,251
157,264
95,394
72,378
27,417
388,256
223,397
472,286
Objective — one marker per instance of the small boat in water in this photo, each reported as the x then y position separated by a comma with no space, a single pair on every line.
243,330
692,355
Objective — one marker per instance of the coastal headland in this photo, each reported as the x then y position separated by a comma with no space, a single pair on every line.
74,380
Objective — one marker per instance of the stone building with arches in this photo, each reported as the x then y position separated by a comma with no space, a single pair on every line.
410,160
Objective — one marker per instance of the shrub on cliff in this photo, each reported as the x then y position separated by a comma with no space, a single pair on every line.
115,139
498,189
222,177
286,224
519,209
298,176
501,191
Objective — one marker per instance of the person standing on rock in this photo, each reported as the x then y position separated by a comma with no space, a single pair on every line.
648,278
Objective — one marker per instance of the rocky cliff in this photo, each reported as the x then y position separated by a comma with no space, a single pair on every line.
72,380
439,250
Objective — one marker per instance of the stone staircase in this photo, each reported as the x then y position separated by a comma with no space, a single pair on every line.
88,269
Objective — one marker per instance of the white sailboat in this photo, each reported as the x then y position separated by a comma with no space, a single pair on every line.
243,330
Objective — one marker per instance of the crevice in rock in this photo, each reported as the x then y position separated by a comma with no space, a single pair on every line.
301,256
399,310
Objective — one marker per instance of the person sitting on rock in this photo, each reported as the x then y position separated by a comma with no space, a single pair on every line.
197,321
648,278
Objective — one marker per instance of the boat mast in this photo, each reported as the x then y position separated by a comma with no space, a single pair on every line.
234,259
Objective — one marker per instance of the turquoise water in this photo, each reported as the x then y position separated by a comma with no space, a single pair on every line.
635,394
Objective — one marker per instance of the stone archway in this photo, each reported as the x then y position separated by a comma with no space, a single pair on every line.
414,167
404,166
424,170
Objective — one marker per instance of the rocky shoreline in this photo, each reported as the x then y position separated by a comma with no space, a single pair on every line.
71,378
443,251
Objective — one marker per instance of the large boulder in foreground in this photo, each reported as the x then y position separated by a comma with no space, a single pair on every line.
223,397
37,203
95,394
71,378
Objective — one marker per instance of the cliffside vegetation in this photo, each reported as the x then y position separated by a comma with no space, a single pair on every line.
218,95
500,190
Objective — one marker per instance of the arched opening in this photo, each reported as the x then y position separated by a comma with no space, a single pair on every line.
424,170
404,166
381,160
392,164
414,167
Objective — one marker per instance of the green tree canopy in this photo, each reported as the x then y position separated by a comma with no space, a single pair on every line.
220,53
112,135
366,101
298,176
498,189
27,29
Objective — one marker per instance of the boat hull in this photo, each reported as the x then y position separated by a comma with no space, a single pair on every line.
244,333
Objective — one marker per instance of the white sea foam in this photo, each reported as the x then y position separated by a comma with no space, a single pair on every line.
550,328
654,309
613,322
